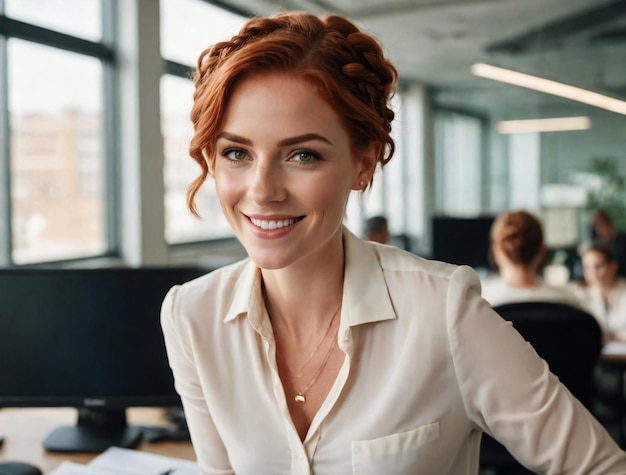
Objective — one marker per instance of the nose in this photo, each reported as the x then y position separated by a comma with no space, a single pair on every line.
267,182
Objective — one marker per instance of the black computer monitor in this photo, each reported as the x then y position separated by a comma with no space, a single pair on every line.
462,240
89,339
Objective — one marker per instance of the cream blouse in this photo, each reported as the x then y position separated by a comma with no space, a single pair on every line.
429,367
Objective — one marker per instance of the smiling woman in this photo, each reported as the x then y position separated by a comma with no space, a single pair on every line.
280,165
322,353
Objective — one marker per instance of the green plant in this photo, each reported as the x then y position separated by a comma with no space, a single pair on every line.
608,189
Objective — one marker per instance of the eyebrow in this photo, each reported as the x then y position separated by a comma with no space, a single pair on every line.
288,141
303,138
234,138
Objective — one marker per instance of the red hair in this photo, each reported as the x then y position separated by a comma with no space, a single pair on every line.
347,66
520,236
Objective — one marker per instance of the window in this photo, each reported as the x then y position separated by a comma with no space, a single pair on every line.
80,18
458,152
55,115
181,44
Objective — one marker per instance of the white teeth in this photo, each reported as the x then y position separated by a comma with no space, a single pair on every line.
272,224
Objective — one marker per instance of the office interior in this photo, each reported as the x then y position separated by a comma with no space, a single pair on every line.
94,123
94,126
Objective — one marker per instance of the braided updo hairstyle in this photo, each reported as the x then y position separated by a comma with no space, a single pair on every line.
347,66
519,235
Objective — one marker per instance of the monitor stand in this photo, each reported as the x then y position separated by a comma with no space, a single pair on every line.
95,431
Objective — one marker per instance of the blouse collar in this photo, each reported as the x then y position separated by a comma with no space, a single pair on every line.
365,295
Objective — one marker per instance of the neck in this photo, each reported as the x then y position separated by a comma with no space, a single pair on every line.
520,277
302,297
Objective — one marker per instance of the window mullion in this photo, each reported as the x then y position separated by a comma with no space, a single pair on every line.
5,157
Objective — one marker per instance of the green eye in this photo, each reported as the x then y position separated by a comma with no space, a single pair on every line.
235,155
306,157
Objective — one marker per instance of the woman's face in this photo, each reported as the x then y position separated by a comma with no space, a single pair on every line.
284,169
597,270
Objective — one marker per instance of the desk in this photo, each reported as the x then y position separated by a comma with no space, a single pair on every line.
614,351
25,428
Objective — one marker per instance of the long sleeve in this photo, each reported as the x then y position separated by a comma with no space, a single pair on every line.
510,394
212,458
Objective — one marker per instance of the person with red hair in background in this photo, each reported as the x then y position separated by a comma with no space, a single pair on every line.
518,252
321,352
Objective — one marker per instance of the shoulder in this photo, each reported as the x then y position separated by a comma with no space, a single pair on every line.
494,289
425,273
217,280
563,294
211,293
393,258
620,286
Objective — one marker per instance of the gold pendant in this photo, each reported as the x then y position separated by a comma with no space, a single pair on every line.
300,398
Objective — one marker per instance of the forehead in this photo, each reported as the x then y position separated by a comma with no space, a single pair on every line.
593,257
282,96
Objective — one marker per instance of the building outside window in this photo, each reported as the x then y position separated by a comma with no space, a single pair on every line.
55,162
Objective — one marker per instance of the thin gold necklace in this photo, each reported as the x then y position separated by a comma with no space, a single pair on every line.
301,395
300,372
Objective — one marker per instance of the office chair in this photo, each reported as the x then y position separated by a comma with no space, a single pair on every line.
569,340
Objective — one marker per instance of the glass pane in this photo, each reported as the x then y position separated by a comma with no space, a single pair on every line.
524,163
188,27
81,18
458,149
57,176
180,170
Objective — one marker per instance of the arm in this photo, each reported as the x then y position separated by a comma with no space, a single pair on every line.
510,393
210,451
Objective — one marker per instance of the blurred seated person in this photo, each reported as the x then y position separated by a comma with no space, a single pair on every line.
606,232
377,230
518,252
604,292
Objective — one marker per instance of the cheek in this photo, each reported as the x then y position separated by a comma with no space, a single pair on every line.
326,196
226,187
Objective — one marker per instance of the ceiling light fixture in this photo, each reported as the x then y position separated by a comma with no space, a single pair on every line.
549,87
557,124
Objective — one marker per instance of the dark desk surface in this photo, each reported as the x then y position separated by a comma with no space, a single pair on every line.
24,430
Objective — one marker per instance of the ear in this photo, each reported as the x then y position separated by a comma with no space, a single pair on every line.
367,159
209,161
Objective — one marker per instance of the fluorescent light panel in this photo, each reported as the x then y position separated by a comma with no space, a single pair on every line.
556,124
549,87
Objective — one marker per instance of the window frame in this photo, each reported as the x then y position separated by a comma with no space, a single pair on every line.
103,51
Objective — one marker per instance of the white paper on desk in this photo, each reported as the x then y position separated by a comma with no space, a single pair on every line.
614,348
134,462
72,468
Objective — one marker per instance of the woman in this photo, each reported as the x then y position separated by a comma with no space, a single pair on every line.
605,293
322,353
606,232
518,252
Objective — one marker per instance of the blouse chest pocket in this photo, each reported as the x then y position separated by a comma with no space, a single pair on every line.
393,454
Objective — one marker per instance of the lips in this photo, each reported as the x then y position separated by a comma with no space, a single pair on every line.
274,223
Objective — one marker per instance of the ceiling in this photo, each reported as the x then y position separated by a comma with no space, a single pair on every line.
434,42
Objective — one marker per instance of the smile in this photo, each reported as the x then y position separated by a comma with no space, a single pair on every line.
274,224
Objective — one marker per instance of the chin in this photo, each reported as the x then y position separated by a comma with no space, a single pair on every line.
269,263
270,259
